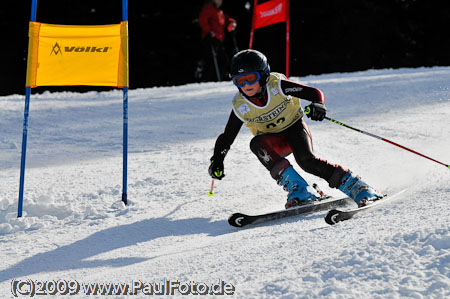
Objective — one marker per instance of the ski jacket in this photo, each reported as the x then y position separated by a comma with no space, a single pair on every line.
212,19
283,101
279,112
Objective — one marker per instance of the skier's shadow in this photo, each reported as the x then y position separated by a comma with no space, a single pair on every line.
75,255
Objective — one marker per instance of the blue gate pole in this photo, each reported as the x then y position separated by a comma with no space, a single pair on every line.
125,121
24,150
25,128
125,143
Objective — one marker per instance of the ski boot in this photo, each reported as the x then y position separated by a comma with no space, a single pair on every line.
300,192
358,190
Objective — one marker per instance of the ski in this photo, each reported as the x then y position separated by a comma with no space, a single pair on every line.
240,220
334,216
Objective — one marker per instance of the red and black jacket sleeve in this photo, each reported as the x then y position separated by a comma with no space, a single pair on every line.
226,139
302,91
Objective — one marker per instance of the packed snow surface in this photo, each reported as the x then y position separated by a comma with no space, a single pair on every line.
76,230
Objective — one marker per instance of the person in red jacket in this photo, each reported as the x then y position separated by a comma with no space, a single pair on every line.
214,25
213,21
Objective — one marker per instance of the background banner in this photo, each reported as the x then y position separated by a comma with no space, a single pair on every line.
270,12
77,55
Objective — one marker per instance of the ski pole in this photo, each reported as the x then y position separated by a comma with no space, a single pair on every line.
216,65
211,193
308,110
385,140
233,34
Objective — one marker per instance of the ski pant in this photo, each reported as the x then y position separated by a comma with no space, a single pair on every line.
271,150
213,51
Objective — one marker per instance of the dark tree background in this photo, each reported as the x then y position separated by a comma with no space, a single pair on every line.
326,36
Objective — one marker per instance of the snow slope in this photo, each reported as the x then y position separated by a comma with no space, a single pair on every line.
77,230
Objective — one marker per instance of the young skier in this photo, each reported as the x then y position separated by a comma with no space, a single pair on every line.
269,105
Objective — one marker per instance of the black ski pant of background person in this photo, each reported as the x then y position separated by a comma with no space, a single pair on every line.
213,51
271,150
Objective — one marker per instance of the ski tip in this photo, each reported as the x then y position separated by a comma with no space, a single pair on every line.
237,220
331,217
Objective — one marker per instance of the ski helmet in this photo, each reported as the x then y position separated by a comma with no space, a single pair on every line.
248,61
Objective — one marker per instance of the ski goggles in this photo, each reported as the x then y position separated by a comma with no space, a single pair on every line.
247,78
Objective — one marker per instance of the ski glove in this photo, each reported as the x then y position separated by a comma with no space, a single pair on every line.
316,111
216,168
